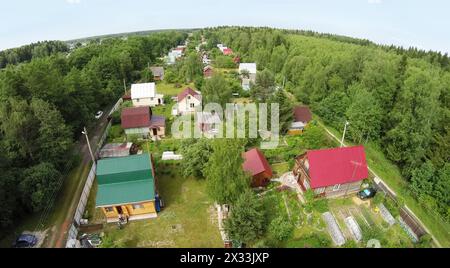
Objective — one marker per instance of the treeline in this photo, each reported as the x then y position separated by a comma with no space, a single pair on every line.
45,103
28,52
399,100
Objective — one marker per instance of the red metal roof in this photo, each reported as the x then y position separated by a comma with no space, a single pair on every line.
227,51
136,117
256,163
337,166
188,91
302,114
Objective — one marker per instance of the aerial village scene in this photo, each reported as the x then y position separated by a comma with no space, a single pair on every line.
324,184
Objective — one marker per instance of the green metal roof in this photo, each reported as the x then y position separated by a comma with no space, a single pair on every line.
125,193
125,180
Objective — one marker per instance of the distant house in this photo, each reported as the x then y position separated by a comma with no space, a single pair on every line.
140,121
250,69
208,72
145,95
227,51
256,164
302,116
158,73
237,59
188,101
332,172
126,188
208,123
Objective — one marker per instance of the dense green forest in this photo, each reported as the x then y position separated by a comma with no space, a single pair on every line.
47,94
398,98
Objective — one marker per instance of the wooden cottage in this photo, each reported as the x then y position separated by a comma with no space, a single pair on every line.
332,172
158,73
302,116
126,188
257,166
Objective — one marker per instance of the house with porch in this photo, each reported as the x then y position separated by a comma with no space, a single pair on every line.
127,188
140,121
248,74
332,172
257,166
145,94
302,116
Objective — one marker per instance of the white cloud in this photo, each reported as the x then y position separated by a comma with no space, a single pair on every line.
375,2
73,2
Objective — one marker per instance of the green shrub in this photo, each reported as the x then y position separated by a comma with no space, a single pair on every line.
281,228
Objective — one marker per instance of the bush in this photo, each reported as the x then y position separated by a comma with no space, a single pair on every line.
115,118
281,228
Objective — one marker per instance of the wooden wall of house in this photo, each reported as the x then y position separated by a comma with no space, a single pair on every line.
148,208
344,189
261,179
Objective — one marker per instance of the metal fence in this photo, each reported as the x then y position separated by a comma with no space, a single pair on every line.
409,219
116,106
73,231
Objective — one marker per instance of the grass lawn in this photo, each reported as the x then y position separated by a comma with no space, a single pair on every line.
170,89
189,219
390,173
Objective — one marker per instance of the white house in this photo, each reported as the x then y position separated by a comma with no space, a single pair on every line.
145,95
187,102
209,123
251,68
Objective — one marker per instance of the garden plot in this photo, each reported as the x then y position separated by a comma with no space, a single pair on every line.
361,222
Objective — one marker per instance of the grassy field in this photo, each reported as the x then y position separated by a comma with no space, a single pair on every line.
189,219
170,89
390,173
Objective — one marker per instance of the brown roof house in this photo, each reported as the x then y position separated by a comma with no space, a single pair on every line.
158,73
188,102
256,164
302,116
140,121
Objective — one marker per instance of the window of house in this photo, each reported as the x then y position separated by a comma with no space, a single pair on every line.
109,209
152,99
192,105
189,97
336,187
138,206
320,190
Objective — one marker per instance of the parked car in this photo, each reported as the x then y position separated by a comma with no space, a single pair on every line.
98,115
25,241
366,193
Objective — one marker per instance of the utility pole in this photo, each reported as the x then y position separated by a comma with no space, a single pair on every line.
125,86
343,135
84,132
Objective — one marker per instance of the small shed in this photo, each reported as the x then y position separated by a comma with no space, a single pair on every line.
256,164
116,150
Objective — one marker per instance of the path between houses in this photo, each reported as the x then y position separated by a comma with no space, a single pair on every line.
57,238
373,172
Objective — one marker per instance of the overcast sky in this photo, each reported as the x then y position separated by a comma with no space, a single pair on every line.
420,23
